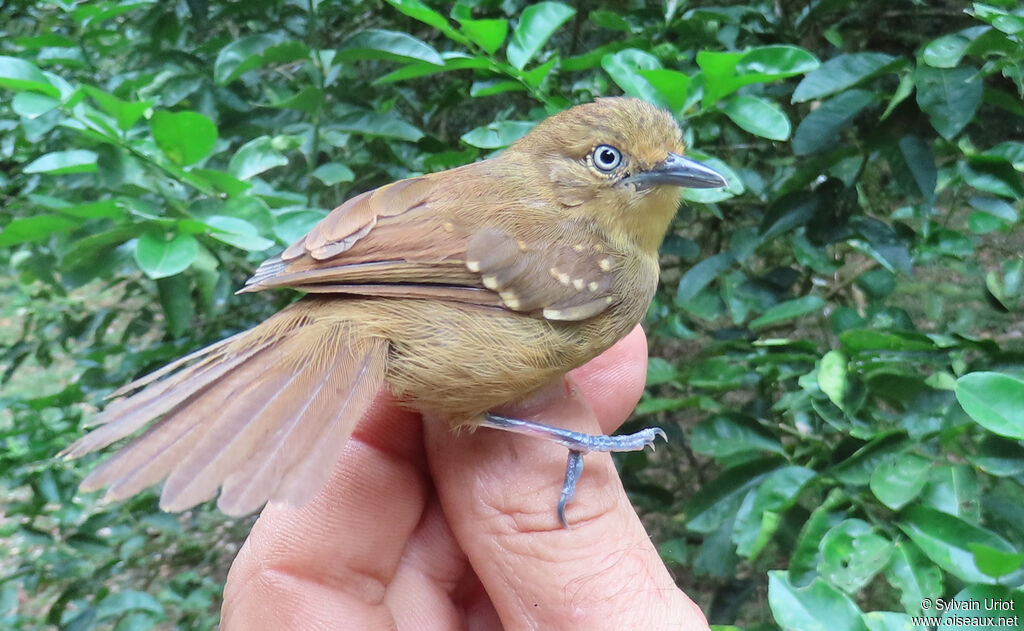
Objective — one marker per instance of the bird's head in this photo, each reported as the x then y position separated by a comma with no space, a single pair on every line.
618,160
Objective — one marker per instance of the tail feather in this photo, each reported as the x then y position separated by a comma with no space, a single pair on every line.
262,415
315,436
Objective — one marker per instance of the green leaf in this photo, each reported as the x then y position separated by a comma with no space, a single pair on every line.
716,502
920,161
998,456
309,100
537,23
994,400
255,51
723,435
953,489
20,75
35,228
290,227
33,104
860,340
759,515
237,232
624,68
160,256
490,87
842,72
852,553
419,11
176,302
911,573
899,479
788,310
946,51
497,134
453,61
487,34
995,563
758,116
370,123
820,129
1011,151
332,173
659,371
390,45
185,137
255,157
999,607
119,603
945,540
125,112
64,162
998,178
833,377
819,607
724,73
856,470
950,96
671,85
700,276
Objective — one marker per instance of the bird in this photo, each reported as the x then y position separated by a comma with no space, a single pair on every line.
460,291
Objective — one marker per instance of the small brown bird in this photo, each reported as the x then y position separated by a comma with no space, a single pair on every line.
460,291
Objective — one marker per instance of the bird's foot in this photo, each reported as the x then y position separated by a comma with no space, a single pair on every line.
578,444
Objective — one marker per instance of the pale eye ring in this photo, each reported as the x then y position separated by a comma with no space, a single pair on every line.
606,158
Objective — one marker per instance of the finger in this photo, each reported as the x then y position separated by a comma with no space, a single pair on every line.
613,382
499,491
327,564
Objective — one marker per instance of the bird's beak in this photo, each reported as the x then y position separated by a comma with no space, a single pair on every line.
677,170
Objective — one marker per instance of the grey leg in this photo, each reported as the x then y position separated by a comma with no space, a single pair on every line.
578,444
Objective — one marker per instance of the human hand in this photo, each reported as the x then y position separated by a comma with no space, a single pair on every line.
419,528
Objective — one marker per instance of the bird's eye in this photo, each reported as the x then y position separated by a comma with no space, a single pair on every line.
607,158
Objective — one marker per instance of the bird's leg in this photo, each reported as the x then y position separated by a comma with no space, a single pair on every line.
578,444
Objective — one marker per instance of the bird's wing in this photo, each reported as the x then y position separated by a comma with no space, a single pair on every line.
398,241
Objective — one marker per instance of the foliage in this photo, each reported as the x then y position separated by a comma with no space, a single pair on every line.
853,416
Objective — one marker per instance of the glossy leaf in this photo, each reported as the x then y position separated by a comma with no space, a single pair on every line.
255,157
19,75
910,572
624,68
370,123
788,310
537,23
758,116
391,45
35,228
64,162
945,539
899,479
723,435
840,73
185,137
852,553
252,52
487,34
949,96
498,134
820,129
237,232
332,173
819,607
160,256
995,401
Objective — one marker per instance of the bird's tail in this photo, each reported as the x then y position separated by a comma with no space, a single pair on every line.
263,415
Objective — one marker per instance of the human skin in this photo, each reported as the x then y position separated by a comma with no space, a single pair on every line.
421,528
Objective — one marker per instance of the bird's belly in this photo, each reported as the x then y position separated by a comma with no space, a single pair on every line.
455,362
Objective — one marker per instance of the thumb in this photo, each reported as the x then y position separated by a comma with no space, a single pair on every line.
499,491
